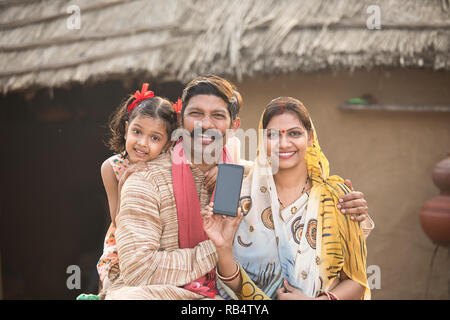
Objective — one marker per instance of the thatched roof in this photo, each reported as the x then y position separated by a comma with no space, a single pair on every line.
179,39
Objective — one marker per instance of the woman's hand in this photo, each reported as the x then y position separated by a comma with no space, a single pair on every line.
220,228
354,204
287,292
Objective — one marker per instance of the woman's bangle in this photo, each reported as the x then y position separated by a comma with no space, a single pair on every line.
231,278
323,293
330,295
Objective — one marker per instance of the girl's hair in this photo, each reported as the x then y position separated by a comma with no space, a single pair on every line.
286,104
213,85
156,108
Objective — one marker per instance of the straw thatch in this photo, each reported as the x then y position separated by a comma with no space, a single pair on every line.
178,39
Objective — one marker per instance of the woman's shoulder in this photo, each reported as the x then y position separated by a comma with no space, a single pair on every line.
248,178
338,186
248,165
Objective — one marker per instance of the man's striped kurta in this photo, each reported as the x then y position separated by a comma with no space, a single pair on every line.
152,266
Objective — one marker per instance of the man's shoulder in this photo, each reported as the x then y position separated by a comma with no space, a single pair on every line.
151,172
162,165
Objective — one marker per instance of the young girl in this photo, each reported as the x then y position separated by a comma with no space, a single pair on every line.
141,129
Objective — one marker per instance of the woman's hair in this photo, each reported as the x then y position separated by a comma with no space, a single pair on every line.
286,104
156,108
213,85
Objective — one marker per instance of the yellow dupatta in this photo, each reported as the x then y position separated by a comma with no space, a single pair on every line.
343,245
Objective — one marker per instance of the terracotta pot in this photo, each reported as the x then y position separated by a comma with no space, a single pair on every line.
435,214
441,175
435,219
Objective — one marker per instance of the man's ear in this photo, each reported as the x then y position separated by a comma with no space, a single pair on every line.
236,123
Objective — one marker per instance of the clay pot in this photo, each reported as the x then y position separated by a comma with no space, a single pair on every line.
435,214
435,219
441,175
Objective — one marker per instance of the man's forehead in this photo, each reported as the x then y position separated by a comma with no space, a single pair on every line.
207,100
207,107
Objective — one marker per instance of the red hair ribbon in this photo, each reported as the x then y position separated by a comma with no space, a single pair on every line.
140,96
177,106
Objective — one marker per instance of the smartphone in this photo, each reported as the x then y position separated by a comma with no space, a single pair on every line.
228,189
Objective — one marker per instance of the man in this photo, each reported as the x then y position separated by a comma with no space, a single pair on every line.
164,252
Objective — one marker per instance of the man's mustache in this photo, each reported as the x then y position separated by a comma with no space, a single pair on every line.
182,132
215,134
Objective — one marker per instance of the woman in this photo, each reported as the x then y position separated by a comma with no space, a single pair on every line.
292,243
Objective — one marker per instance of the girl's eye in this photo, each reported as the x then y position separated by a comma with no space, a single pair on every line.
136,131
156,138
295,133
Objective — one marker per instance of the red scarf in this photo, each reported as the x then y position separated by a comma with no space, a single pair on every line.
190,221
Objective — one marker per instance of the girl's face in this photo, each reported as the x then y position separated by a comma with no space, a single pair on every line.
287,139
145,138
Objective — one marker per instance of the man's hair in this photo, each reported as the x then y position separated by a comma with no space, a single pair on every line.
213,85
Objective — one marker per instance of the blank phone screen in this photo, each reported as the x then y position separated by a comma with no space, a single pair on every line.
228,189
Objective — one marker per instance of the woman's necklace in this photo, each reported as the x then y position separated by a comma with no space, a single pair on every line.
303,191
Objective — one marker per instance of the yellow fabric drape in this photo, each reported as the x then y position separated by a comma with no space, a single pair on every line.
343,242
